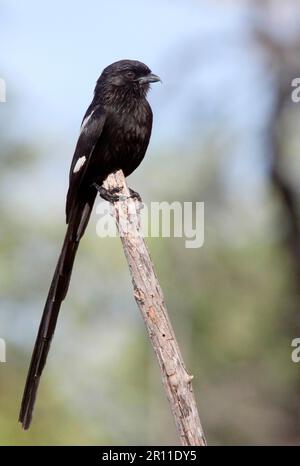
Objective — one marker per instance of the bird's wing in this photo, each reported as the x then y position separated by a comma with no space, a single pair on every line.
90,132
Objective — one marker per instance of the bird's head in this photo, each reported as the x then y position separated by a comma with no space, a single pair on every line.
126,77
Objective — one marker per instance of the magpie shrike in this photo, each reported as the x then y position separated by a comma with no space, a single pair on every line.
114,135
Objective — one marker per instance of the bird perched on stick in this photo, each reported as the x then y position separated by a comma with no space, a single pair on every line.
114,135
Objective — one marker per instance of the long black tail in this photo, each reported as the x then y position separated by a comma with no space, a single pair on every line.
77,223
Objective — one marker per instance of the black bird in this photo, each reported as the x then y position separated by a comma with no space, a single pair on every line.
114,135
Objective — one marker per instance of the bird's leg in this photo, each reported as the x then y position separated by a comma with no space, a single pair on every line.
135,195
108,195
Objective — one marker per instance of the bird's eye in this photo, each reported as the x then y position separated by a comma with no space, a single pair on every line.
130,74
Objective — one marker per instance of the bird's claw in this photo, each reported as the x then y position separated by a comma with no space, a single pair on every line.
135,195
109,195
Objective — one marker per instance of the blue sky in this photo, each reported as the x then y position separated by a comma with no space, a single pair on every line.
53,52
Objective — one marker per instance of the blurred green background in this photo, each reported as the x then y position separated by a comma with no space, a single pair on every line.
226,132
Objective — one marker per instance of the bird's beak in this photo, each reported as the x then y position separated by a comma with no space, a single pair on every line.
149,78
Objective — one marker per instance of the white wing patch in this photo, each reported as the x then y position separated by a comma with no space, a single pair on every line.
79,164
85,121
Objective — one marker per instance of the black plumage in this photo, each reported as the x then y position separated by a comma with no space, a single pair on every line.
114,135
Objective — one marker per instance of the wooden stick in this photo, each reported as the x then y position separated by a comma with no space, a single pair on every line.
149,297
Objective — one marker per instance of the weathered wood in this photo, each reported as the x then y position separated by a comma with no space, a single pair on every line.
149,297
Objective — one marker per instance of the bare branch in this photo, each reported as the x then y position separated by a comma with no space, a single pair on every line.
148,295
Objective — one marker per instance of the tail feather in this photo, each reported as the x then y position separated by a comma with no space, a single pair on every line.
78,221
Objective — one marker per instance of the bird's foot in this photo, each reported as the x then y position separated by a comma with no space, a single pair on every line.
134,194
109,195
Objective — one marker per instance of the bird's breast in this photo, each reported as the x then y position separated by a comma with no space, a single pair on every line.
129,132
124,141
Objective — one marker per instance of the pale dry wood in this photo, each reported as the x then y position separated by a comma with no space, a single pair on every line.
149,297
